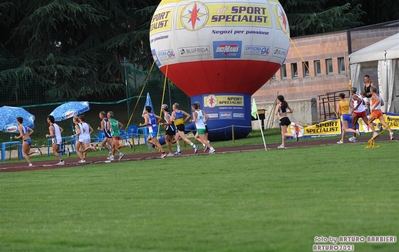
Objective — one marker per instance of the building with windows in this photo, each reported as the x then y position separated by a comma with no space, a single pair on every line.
319,64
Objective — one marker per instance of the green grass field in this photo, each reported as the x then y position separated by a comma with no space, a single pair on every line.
277,200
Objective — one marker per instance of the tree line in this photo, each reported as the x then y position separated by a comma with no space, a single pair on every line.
69,49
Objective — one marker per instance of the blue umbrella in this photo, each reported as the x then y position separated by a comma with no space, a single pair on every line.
69,110
9,116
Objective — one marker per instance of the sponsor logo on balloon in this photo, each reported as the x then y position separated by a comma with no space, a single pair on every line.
194,51
154,55
194,16
225,115
257,50
227,49
282,18
279,53
197,15
238,115
161,21
242,14
166,54
211,101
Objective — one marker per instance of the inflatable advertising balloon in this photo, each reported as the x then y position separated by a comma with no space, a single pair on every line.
219,53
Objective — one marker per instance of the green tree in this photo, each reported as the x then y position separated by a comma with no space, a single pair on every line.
75,48
378,11
319,16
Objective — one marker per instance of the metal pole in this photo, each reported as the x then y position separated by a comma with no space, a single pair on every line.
170,96
232,133
127,88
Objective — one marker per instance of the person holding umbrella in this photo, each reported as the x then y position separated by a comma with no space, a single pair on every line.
24,133
55,133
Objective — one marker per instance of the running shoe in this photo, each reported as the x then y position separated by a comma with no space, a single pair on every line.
205,148
60,163
212,150
340,142
121,155
177,152
195,149
82,161
352,139
111,158
281,146
39,151
30,165
170,155
391,137
129,144
163,155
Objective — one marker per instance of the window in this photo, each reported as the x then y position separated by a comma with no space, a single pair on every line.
341,65
317,68
294,70
305,68
283,71
329,66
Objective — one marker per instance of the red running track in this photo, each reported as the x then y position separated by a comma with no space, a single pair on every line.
73,162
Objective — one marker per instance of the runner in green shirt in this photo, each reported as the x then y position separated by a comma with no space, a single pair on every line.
115,126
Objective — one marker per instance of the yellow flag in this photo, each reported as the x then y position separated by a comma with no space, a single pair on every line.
254,110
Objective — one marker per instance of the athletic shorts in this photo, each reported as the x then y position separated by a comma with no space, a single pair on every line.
377,113
346,117
180,127
117,138
285,121
84,141
360,114
201,131
56,141
107,134
206,129
152,134
29,141
170,132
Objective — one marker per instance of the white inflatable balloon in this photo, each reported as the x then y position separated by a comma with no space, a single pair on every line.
220,51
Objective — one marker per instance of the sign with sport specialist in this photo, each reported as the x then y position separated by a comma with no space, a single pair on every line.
325,128
392,120
224,106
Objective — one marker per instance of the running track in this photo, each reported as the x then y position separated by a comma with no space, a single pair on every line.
73,162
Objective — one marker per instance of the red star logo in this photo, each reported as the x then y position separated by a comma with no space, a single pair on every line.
194,15
211,100
284,19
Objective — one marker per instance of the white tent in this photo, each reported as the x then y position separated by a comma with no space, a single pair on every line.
383,55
